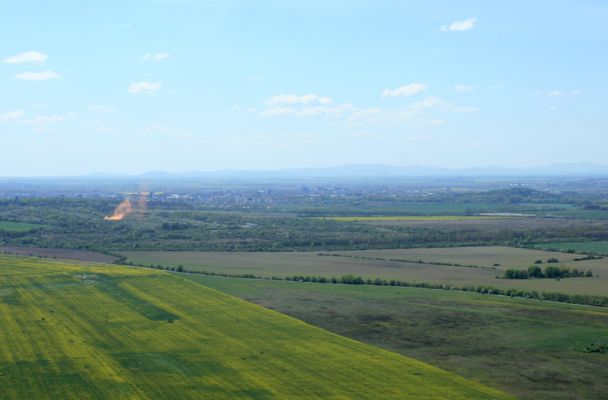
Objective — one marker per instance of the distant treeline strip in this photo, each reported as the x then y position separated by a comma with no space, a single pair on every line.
588,300
535,271
401,260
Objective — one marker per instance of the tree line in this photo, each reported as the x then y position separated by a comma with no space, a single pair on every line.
589,300
551,272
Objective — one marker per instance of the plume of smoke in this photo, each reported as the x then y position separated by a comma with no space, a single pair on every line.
127,207
142,203
122,210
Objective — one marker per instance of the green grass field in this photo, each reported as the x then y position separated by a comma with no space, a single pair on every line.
598,247
60,254
17,226
535,350
395,264
77,331
363,218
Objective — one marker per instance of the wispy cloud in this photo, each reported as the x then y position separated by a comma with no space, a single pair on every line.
103,109
277,111
11,116
37,76
460,26
26,57
308,111
463,88
156,56
19,117
145,87
557,93
44,119
293,99
157,128
427,112
417,113
405,91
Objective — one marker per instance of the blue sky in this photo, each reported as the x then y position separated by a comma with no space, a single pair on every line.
140,85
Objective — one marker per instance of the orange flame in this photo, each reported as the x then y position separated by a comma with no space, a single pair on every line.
122,210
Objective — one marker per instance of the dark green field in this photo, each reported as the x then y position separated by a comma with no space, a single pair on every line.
532,349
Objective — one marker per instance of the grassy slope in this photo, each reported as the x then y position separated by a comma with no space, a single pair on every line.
283,264
97,331
532,349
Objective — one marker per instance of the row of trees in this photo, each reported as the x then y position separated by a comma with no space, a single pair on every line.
552,272
598,301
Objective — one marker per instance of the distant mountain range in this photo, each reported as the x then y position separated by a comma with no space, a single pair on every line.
381,170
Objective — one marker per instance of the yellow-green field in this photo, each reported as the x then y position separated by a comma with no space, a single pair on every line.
93,331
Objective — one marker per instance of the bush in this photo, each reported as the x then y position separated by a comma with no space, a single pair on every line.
516,274
534,271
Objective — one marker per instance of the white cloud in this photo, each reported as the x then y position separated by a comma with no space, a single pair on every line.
37,76
464,109
104,129
431,102
103,109
11,116
308,111
157,128
557,93
427,112
418,113
439,103
337,110
406,91
463,88
146,87
26,57
45,119
156,56
271,112
293,99
17,117
460,26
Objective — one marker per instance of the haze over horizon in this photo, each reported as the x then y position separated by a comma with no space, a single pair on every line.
194,85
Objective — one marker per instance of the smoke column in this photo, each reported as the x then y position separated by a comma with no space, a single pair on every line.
127,207
122,210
